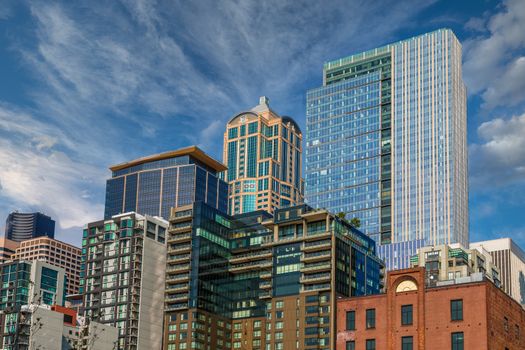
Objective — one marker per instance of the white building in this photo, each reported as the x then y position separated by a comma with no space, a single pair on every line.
510,259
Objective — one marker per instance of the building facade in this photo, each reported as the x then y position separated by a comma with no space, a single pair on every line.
262,151
153,184
7,249
447,263
123,277
410,316
510,260
253,281
52,328
31,282
386,143
56,253
22,226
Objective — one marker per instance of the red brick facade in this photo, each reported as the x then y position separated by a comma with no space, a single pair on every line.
490,319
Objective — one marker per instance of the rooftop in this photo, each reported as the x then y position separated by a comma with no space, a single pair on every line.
192,151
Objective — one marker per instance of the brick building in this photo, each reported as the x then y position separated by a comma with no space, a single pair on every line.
410,315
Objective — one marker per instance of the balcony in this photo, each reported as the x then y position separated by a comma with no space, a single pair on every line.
180,249
248,257
175,289
177,278
317,256
265,285
180,268
315,278
254,265
179,238
321,266
317,245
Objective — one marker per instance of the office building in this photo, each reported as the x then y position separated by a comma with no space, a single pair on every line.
123,277
255,281
31,282
455,262
7,249
56,253
153,184
386,143
262,151
52,328
510,259
22,226
411,315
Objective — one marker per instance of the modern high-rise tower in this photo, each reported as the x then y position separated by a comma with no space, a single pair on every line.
386,143
22,226
153,185
262,151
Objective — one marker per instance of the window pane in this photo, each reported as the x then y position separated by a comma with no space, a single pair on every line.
456,310
457,341
370,344
370,318
407,343
406,315
350,320
350,345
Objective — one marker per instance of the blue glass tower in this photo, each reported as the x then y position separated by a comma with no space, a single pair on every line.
152,185
22,226
386,143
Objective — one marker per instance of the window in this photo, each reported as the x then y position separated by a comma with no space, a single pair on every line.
406,315
506,324
350,345
457,341
407,343
371,318
456,310
350,320
370,344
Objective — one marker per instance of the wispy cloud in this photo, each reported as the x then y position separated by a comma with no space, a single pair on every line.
495,59
113,81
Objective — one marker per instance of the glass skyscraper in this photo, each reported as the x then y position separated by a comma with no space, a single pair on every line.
386,143
262,151
22,226
154,184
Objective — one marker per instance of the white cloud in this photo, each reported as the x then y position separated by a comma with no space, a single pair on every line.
490,66
37,175
500,158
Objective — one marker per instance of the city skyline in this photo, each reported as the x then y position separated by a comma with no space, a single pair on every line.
72,150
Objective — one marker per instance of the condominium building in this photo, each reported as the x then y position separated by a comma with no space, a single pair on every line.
447,263
262,151
123,277
56,253
7,249
510,259
473,314
386,143
254,281
52,328
22,226
154,184
31,282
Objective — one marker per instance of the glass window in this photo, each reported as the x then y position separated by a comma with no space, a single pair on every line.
371,318
456,310
350,320
407,343
406,315
457,341
370,344
350,345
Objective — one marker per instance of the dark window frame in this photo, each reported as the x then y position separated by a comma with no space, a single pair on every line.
407,345
350,321
456,310
457,343
370,318
407,315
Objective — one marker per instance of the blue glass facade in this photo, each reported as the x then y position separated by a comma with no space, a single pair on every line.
154,187
386,143
23,226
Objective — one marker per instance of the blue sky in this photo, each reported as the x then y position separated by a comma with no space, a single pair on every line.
87,84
